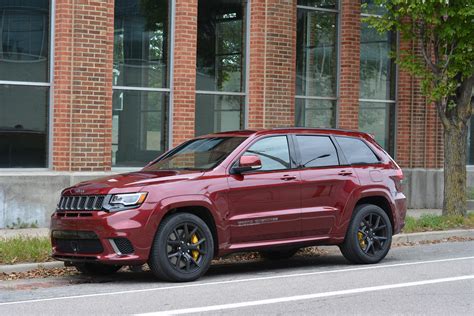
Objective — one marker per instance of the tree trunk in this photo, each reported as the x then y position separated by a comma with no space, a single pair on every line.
455,141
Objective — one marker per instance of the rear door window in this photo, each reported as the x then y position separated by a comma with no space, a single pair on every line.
357,151
317,151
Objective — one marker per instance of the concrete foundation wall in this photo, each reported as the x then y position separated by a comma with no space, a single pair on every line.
31,197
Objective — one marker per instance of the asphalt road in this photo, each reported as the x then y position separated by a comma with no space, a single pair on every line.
426,279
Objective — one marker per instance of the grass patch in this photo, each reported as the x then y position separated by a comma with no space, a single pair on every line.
24,249
429,222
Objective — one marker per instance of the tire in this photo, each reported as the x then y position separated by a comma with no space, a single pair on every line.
182,249
96,268
369,236
278,254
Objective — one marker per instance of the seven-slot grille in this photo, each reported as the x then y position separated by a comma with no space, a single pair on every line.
79,203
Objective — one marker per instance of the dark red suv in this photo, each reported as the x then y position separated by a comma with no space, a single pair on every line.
273,191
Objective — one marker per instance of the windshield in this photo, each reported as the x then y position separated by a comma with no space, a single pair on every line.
198,154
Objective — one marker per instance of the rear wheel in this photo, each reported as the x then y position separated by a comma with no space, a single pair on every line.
183,248
96,268
369,236
279,254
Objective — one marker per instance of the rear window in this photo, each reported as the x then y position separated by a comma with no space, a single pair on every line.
357,151
317,151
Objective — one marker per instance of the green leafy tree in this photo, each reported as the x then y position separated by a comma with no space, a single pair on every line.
444,32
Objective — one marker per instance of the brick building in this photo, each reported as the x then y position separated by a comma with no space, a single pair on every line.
89,87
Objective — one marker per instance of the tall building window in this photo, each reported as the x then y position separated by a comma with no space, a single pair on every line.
24,83
377,81
316,63
140,81
220,65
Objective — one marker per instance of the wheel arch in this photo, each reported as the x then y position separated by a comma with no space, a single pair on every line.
380,201
203,213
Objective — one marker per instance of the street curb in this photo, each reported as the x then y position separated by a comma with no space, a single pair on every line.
401,238
23,267
433,235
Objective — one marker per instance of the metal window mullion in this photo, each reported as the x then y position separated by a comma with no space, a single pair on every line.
316,98
145,89
304,7
377,101
220,93
25,83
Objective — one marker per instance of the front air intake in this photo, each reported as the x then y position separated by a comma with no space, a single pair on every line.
81,203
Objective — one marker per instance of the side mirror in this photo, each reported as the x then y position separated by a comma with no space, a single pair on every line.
248,163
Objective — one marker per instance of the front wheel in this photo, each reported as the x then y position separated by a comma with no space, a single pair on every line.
369,236
183,248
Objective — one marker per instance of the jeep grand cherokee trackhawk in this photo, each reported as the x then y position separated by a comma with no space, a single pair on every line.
272,191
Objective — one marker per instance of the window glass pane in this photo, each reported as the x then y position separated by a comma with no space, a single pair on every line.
315,113
23,126
141,43
205,153
316,53
370,7
326,4
221,46
470,141
24,45
356,151
218,113
273,152
139,129
377,80
378,119
317,151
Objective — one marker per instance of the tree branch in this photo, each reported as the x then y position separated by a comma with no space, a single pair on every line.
425,48
441,108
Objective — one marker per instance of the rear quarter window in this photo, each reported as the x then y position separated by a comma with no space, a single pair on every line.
357,151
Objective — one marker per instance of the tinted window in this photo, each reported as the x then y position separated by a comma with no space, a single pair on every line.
356,151
317,151
198,154
273,151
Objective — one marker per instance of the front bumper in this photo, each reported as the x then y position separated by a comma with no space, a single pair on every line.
85,236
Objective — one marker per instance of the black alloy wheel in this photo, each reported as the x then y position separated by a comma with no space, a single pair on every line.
183,248
186,247
372,234
369,235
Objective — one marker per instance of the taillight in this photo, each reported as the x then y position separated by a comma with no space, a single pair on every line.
398,179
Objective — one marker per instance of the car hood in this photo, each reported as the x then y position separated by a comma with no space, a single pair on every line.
129,182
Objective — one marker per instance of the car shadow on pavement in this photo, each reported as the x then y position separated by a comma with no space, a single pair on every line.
230,269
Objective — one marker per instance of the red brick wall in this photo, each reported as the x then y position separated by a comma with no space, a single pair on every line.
419,132
272,69
184,82
256,67
83,85
349,80
83,81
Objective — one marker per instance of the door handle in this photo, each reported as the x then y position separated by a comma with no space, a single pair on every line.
345,173
288,178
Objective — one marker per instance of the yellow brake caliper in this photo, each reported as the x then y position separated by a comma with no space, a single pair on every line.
360,236
195,253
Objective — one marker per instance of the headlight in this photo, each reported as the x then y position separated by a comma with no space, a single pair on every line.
120,202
